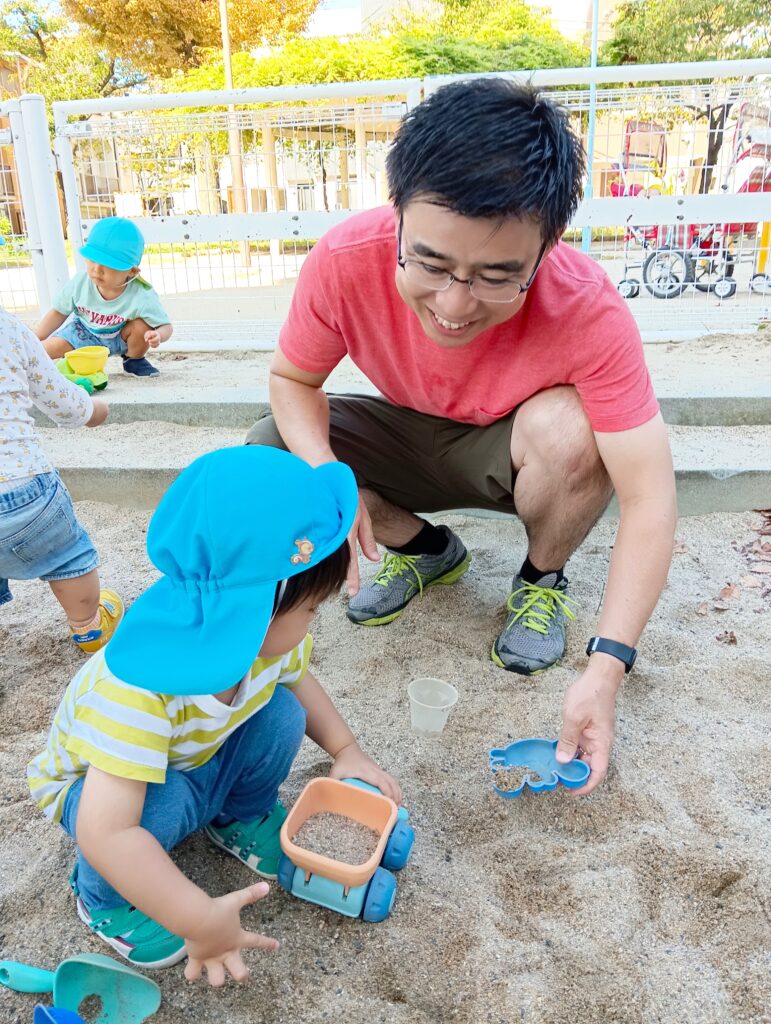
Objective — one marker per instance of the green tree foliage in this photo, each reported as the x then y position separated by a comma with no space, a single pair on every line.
665,31
482,35
67,64
164,36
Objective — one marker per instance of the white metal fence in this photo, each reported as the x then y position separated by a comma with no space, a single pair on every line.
231,188
32,258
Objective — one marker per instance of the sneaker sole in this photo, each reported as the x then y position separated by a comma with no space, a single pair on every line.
125,948
226,849
452,576
495,658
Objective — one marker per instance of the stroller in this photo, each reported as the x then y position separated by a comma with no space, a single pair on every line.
677,256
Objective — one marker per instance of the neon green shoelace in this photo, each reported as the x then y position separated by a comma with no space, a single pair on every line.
539,606
396,565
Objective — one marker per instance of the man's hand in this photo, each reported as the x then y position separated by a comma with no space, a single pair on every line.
588,722
361,532
217,944
153,338
352,763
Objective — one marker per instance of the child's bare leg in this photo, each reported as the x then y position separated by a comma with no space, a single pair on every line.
134,335
57,347
79,597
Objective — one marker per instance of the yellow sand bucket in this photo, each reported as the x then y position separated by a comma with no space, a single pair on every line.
89,359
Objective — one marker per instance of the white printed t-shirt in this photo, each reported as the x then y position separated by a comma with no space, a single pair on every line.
28,376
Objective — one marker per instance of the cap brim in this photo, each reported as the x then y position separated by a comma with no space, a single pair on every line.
341,482
107,259
190,642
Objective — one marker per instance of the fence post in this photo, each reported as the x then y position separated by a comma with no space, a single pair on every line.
43,179
27,195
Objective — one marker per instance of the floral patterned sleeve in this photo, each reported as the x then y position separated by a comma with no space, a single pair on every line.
64,402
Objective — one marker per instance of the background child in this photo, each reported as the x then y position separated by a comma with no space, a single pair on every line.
108,303
40,537
192,716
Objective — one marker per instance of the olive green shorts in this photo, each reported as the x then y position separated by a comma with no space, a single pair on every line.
420,463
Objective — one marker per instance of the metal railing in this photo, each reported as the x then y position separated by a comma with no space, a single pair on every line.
231,188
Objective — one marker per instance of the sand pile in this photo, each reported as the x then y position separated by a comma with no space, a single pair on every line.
647,902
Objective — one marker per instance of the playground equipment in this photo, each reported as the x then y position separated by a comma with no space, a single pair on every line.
363,890
85,366
705,256
126,996
540,771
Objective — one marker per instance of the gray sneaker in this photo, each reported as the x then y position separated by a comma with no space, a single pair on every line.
386,596
533,638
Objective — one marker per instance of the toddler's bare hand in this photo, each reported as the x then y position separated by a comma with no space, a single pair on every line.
216,947
152,338
99,415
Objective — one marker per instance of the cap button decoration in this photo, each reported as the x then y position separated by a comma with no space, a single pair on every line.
305,550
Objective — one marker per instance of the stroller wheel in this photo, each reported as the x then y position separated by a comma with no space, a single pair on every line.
709,268
724,288
761,284
629,288
667,272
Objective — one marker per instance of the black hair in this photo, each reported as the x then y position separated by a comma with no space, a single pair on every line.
319,582
489,147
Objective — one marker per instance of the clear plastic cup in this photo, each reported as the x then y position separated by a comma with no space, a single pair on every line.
430,703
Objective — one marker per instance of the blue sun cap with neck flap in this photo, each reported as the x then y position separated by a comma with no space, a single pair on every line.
232,526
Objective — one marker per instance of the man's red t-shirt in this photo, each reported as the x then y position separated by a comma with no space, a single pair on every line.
574,328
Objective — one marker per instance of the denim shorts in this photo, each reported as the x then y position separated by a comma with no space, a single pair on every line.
78,335
40,537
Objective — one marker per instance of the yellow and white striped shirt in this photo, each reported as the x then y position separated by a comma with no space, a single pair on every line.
136,734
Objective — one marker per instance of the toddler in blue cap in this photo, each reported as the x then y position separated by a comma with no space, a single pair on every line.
108,303
192,715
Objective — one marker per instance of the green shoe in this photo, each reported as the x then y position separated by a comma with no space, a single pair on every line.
255,843
131,933
533,638
403,577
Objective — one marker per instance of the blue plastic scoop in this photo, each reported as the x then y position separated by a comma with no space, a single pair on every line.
50,1015
126,996
533,764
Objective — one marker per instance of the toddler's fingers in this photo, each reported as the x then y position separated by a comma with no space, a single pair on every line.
251,894
215,971
253,940
193,969
237,968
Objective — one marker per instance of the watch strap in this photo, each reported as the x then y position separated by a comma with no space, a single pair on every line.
624,653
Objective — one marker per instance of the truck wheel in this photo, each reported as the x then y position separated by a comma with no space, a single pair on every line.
399,846
285,872
380,896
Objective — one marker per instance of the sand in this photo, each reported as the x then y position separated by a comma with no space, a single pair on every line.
645,903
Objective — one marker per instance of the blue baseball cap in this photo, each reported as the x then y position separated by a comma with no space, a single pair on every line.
231,527
114,242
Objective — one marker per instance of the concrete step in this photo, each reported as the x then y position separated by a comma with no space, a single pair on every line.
719,469
717,382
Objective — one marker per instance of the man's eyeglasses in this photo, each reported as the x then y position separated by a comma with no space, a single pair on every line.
485,289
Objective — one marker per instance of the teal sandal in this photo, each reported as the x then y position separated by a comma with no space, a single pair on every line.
131,933
255,843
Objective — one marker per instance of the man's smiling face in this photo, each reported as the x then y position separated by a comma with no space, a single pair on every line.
467,247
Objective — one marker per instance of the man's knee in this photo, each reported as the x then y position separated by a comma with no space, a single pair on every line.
265,432
553,427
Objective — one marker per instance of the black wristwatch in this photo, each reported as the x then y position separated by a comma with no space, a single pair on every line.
626,654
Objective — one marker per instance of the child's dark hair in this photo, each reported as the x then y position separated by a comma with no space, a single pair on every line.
319,582
490,148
